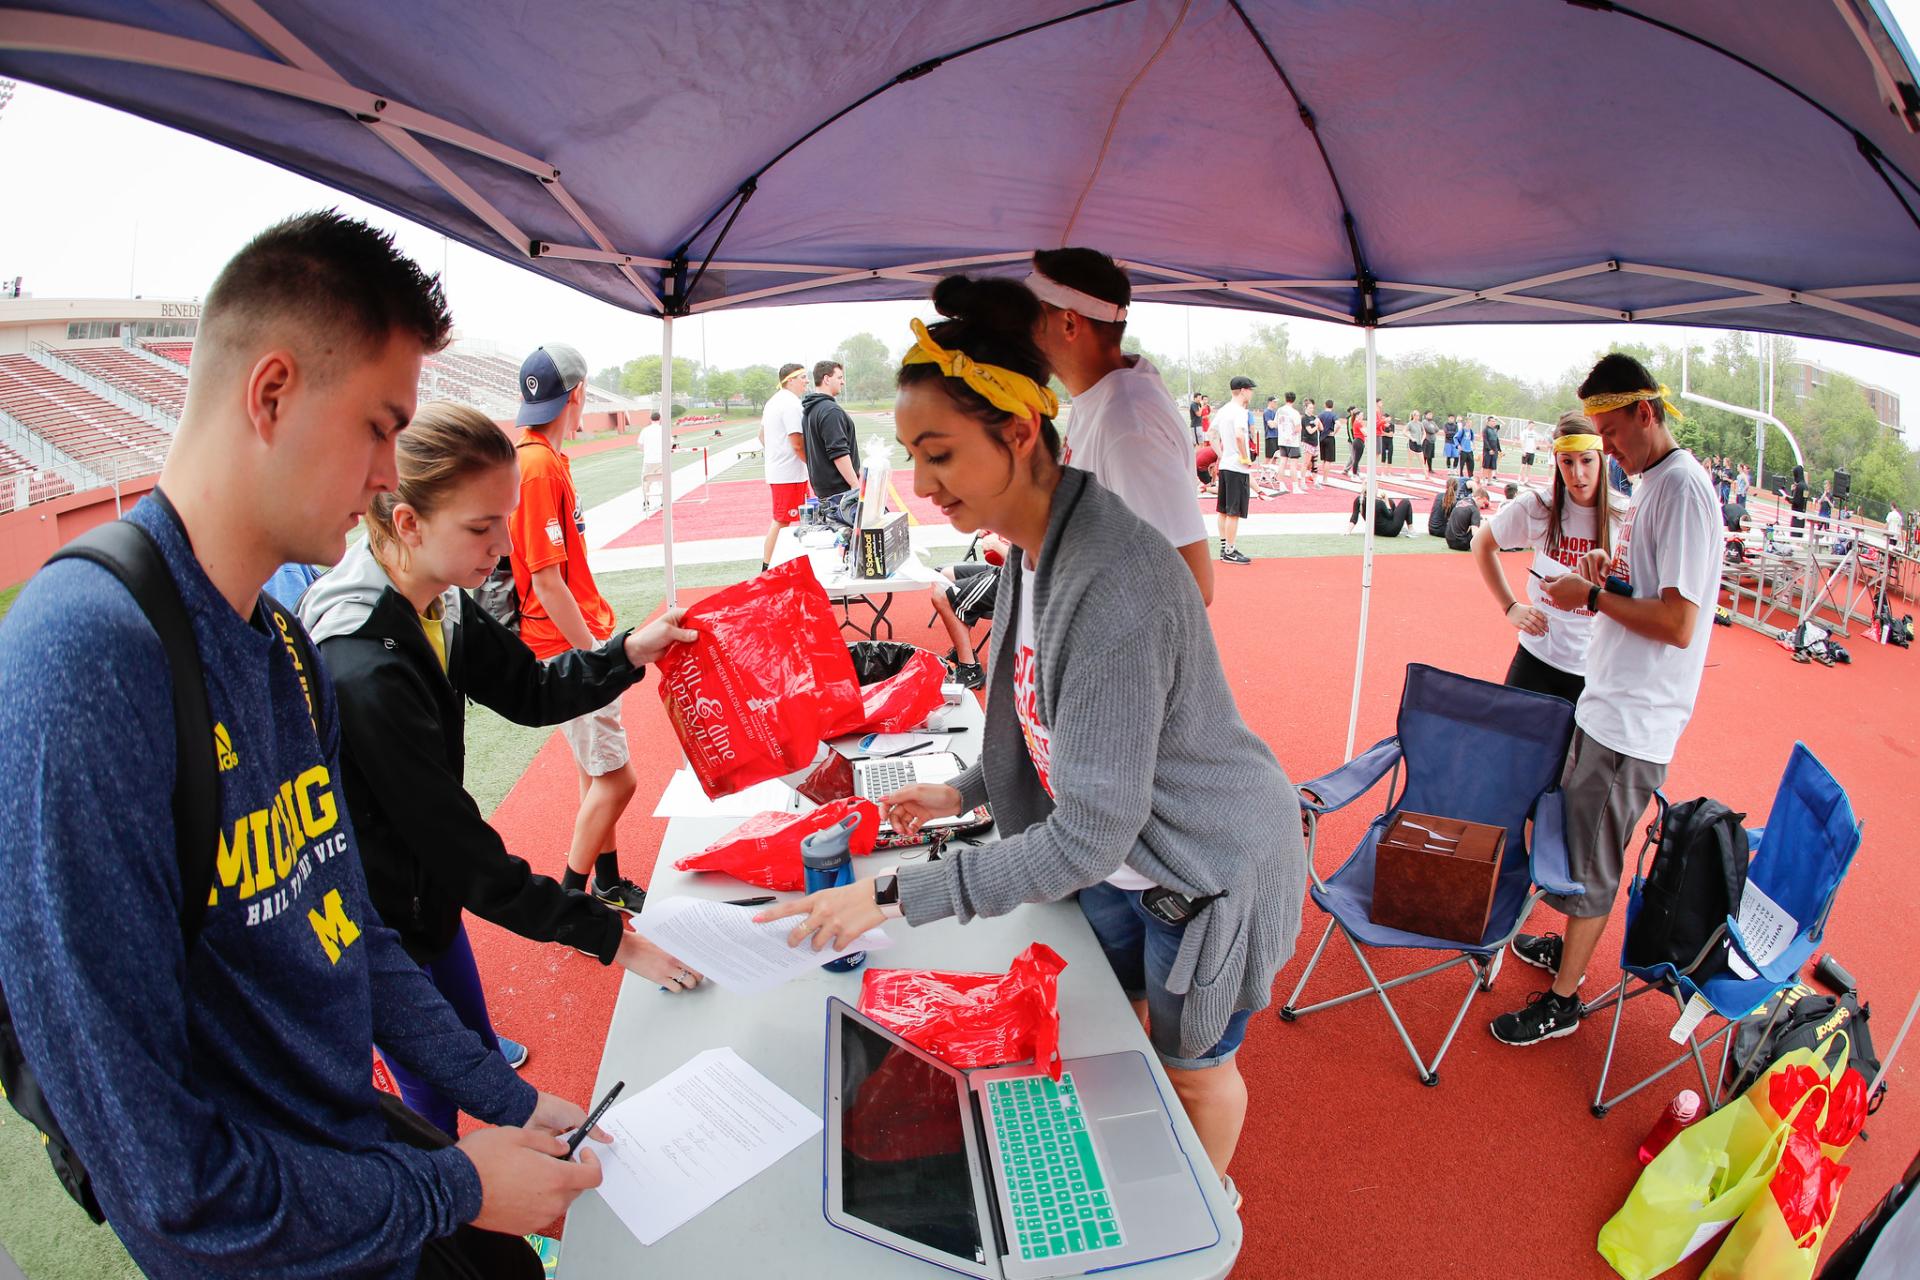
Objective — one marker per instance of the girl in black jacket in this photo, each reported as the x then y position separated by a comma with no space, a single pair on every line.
406,647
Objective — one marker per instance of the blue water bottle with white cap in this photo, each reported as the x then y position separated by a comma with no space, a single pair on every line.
827,857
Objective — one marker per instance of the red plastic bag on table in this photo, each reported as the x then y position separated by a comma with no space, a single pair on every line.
899,687
974,1019
750,699
765,849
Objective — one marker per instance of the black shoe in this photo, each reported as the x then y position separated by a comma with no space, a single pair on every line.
1545,1017
1234,555
969,674
622,893
1542,950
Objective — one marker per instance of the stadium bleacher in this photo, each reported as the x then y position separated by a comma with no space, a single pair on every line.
178,352
164,389
81,425
43,484
488,382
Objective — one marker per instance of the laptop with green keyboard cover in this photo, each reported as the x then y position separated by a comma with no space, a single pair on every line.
1003,1172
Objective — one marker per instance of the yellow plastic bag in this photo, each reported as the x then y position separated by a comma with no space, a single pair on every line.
1705,1179
1762,1245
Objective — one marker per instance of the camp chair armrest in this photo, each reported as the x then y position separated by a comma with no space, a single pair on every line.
1548,848
1340,788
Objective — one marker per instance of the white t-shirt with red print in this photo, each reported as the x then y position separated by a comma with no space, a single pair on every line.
1523,523
1026,704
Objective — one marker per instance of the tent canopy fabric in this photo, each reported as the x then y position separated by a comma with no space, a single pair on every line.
1736,163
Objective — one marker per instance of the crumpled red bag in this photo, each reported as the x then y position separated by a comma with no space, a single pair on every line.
1787,1086
899,688
1806,1186
749,699
1846,1113
974,1019
765,849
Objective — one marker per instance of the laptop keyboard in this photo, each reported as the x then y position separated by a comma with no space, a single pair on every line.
1052,1177
884,777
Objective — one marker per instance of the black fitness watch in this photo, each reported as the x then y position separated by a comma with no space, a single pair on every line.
886,890
1593,599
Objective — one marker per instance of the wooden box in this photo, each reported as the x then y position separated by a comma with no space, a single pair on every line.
1435,876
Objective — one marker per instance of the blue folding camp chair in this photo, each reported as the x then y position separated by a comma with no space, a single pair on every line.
1799,860
1472,750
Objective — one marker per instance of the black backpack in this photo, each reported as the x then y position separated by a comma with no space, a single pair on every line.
1796,1018
1699,874
129,553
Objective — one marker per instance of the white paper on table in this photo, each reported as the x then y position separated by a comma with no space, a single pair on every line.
1766,926
724,944
864,746
683,798
686,1141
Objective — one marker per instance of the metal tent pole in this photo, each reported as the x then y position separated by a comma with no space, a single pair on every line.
1372,446
666,457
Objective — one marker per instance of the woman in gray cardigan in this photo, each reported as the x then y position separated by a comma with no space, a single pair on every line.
1115,760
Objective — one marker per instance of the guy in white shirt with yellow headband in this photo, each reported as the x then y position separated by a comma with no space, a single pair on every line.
1653,602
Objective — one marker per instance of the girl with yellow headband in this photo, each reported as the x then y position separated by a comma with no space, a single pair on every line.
1116,763
1579,517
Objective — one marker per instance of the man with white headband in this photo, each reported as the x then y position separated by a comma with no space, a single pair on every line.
1124,427
1652,602
783,452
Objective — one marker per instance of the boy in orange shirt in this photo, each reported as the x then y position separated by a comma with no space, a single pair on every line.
562,609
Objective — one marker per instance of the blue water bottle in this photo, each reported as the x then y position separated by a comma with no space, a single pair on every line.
827,857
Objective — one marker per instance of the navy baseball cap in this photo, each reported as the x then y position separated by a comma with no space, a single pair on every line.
547,378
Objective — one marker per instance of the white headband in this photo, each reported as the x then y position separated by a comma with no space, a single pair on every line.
1049,290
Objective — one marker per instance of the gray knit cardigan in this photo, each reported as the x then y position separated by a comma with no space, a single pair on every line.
1152,765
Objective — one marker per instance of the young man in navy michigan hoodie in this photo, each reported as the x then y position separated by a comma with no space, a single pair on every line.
220,1094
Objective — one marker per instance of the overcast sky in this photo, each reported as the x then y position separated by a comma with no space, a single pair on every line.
101,204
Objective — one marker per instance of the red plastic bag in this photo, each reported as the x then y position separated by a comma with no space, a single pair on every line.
751,697
900,700
765,849
1806,1187
1846,1113
974,1019
1787,1086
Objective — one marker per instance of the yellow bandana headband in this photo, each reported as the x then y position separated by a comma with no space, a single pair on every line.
1577,444
1005,390
1620,399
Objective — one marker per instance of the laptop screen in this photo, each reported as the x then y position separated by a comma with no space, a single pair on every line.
903,1155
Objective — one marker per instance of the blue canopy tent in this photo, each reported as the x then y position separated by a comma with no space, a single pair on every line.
1384,163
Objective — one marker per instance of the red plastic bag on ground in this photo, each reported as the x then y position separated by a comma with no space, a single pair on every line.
974,1019
765,849
752,697
1846,1113
899,688
1806,1187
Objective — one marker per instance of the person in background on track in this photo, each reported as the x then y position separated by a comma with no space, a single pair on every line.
1465,517
1469,440
1115,761
1390,518
1310,443
783,454
1387,431
1232,441
1329,437
1293,475
407,648
1443,503
1490,445
1558,530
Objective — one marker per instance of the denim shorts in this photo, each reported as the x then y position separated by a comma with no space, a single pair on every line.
1141,950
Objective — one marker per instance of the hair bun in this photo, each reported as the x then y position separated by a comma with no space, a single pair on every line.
986,301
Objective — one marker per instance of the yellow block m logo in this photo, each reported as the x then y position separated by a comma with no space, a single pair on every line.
336,932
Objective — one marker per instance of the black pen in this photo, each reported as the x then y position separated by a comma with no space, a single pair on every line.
749,902
580,1134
